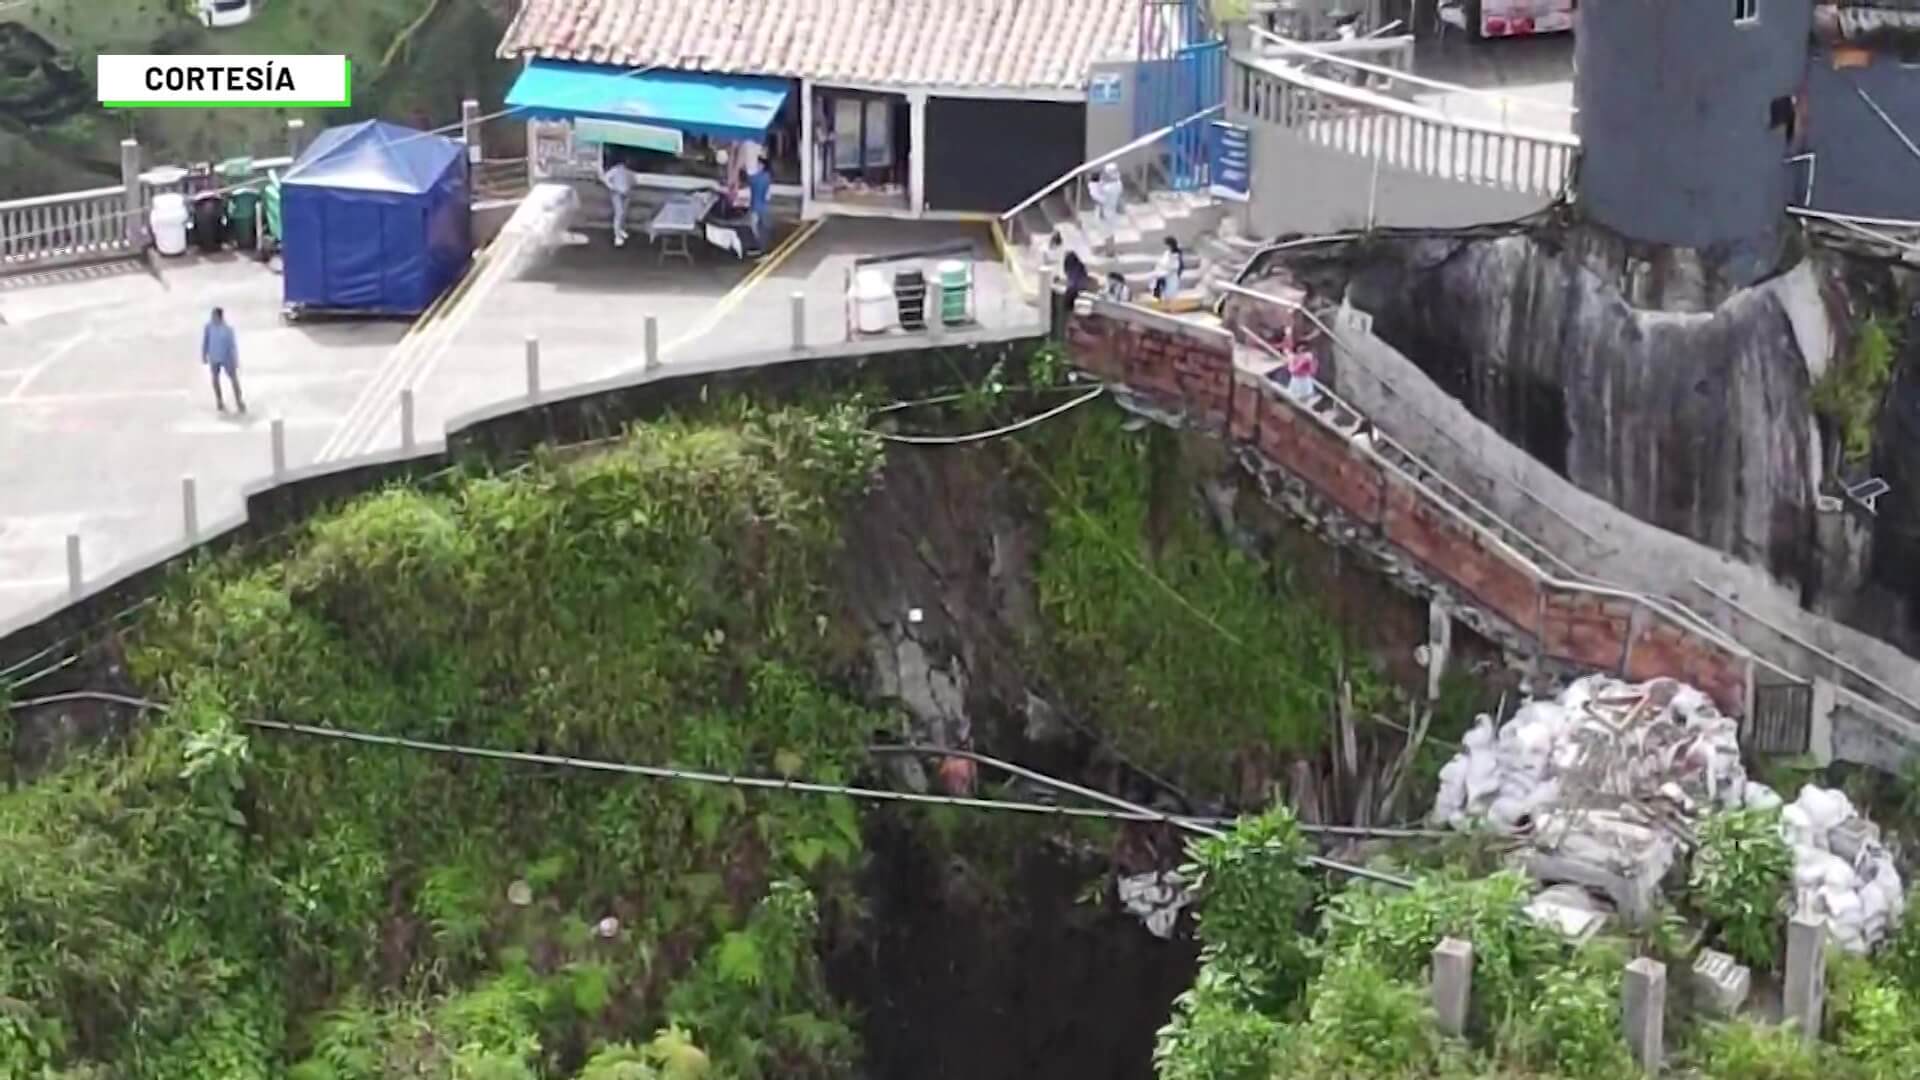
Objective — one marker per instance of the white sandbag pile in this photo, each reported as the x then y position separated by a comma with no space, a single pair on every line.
1601,742
1841,871
1602,780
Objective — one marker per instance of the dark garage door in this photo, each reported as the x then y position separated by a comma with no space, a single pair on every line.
988,154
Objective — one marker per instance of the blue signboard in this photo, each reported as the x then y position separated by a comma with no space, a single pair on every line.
1105,89
1229,160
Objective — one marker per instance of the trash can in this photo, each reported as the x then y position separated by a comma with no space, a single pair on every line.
243,212
168,220
872,302
956,282
910,293
209,222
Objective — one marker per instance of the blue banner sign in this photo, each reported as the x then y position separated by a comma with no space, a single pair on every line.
1229,160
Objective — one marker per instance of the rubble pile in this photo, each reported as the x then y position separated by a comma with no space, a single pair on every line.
1604,785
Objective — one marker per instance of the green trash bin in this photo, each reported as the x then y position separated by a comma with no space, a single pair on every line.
243,212
234,170
956,281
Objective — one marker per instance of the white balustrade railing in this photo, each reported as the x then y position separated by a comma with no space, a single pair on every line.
76,224
1403,135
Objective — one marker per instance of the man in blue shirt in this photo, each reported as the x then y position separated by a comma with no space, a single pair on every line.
759,201
220,352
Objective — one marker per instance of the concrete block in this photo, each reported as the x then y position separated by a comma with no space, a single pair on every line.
1452,984
1721,983
1644,1012
1851,836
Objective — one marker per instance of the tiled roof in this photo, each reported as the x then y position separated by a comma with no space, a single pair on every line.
1001,44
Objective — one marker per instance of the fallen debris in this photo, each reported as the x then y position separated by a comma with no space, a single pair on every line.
1605,784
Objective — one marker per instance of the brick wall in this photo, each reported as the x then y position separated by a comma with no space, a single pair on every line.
1189,370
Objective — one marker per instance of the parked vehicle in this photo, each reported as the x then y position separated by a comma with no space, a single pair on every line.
223,13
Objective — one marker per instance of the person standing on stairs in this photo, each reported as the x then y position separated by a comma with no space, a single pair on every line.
1107,190
1168,270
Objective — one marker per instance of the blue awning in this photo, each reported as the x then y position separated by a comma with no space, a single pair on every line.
717,106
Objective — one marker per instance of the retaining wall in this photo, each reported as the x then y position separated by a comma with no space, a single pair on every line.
1185,374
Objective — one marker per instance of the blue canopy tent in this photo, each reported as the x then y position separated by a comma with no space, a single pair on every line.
725,107
377,219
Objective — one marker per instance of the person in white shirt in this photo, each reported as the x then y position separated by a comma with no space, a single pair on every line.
1166,272
619,181
1107,191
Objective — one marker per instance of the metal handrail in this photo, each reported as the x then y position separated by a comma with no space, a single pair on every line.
1382,103
1103,160
1576,579
1339,58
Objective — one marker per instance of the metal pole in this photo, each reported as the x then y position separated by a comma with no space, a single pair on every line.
1373,189
75,580
533,367
190,507
799,302
406,420
653,342
279,449
296,137
470,130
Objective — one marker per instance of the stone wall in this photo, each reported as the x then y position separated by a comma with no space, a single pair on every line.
1185,374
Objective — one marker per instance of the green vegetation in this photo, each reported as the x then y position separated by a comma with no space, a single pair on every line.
1740,881
1270,1001
212,902
1850,392
405,77
1187,649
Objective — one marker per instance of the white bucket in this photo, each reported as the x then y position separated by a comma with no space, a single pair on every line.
872,302
169,223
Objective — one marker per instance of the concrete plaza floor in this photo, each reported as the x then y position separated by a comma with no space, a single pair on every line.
104,405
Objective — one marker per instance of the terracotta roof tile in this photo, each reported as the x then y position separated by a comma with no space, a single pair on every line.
1002,44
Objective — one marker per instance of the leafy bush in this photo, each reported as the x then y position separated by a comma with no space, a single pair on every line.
1572,1025
1740,880
1364,1022
1850,392
1398,929
1748,1050
1252,896
1217,1032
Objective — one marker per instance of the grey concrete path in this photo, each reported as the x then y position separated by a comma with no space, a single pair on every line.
104,406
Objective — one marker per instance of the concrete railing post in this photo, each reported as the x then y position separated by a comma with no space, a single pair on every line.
190,507
653,342
296,137
133,202
533,367
406,420
76,580
470,130
1644,1012
1452,987
279,449
799,304
935,306
1803,991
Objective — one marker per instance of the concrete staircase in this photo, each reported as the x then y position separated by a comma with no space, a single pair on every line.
1131,244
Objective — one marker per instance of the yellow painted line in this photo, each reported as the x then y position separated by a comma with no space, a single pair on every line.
1006,256
736,295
